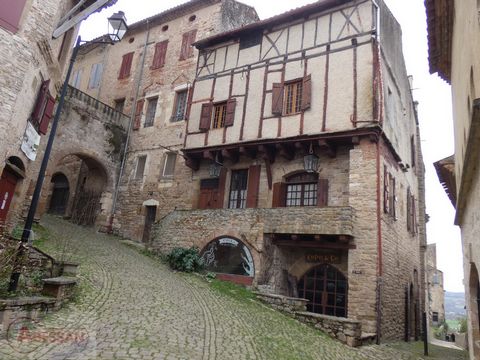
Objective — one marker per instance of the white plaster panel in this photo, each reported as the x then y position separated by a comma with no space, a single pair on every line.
222,88
315,51
239,84
290,126
194,119
272,78
254,104
268,51
276,67
294,70
295,38
309,36
270,128
268,105
341,44
312,123
215,137
232,54
323,29
364,83
195,141
203,89
220,59
233,132
340,91
249,56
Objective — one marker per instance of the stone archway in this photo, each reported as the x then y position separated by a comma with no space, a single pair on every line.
474,307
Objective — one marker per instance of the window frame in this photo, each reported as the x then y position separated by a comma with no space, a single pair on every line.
175,118
297,109
239,201
165,163
144,166
149,113
213,120
293,181
95,76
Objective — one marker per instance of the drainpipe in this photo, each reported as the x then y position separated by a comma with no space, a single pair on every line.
130,126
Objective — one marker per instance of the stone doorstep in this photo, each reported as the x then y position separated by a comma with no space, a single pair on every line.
61,280
25,301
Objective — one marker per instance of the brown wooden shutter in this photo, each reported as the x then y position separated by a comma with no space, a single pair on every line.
188,39
230,117
160,54
386,198
307,92
138,114
40,103
206,116
414,216
322,192
394,198
47,115
409,211
279,195
126,66
11,13
191,40
277,99
221,188
253,185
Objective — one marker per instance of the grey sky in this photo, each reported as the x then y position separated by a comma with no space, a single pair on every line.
431,92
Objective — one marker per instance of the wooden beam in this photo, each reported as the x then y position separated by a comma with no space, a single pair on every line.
268,167
267,152
250,152
328,148
209,155
231,154
314,244
286,151
192,163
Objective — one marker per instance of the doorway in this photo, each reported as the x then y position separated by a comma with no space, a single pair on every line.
326,288
8,182
60,195
149,220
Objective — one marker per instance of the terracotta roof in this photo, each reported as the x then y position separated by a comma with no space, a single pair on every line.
446,174
290,15
440,31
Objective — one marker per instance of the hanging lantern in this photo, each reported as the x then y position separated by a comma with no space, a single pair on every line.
117,26
310,161
215,168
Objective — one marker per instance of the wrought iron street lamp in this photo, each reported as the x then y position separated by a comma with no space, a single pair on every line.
310,161
215,168
117,29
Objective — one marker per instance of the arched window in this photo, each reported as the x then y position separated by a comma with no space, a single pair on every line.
326,288
301,189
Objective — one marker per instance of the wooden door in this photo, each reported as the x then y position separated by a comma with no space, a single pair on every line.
210,197
8,183
149,220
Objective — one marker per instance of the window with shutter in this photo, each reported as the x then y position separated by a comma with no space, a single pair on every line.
386,195
219,115
11,13
141,161
230,115
138,114
188,39
307,92
302,190
279,194
126,66
77,78
205,116
180,106
322,192
293,97
253,185
277,99
160,54
151,110
40,103
47,115
238,190
169,165
409,211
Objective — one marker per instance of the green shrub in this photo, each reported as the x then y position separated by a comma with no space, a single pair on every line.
186,260
463,325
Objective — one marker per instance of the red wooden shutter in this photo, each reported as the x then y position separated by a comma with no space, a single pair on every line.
40,102
221,188
230,117
47,115
322,192
191,40
188,39
307,92
277,99
386,197
11,13
206,116
279,195
138,114
160,54
126,66
253,185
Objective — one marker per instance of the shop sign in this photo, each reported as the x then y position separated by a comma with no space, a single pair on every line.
30,142
323,258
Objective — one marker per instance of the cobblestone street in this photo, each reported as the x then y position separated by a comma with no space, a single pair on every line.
133,307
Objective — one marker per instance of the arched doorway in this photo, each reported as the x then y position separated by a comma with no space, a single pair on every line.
474,299
327,289
12,173
230,258
60,194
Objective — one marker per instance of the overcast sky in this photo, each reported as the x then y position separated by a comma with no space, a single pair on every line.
430,91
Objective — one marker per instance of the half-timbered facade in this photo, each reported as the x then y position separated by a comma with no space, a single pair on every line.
306,169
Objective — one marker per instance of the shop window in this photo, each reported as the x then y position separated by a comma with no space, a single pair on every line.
180,106
151,110
292,97
228,256
168,168
238,190
141,161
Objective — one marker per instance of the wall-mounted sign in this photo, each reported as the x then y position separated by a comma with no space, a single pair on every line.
30,142
228,256
323,258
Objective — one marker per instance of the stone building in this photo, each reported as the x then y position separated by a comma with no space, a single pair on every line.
435,291
148,76
454,54
32,64
327,83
